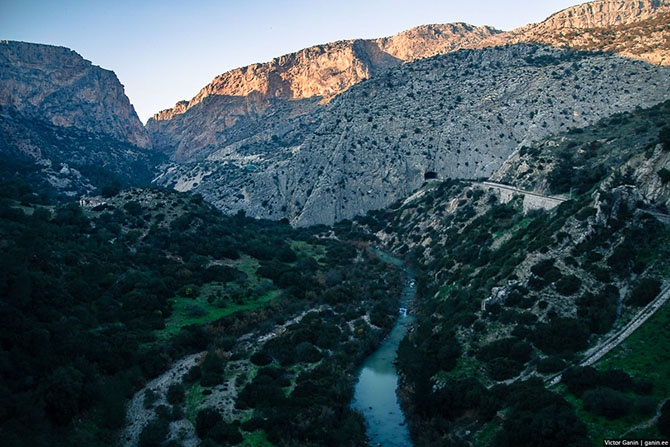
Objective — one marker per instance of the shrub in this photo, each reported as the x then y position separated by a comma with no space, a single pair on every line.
550,364
664,174
606,402
568,285
206,419
261,359
307,352
194,310
503,369
193,374
175,394
154,433
561,335
645,291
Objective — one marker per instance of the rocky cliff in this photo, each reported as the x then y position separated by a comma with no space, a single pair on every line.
67,125
248,96
57,85
631,28
459,115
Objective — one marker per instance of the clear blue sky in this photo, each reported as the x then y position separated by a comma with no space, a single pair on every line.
165,51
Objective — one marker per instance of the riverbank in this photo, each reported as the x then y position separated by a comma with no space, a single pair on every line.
375,393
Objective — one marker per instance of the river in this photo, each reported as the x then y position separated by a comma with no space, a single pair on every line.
375,392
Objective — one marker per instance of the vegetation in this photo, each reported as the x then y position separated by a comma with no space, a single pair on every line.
510,294
98,301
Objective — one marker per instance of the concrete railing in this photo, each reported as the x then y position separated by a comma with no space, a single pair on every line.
531,200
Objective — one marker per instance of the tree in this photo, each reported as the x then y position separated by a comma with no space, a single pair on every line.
606,402
109,191
645,291
206,419
175,394
153,434
62,394
664,419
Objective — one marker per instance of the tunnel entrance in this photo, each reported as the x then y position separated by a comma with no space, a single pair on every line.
430,175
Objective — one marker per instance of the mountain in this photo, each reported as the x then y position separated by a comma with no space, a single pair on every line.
57,85
284,87
458,115
278,139
636,29
67,124
518,285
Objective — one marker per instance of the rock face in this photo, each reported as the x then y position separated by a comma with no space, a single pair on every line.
636,29
57,85
342,128
601,13
67,125
248,96
458,115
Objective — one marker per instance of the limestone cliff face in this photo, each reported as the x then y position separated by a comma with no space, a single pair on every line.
247,98
459,115
250,94
57,85
339,129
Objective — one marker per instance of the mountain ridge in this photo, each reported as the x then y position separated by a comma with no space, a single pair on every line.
57,84
238,82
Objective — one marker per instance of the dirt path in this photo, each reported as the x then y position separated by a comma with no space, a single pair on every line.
222,397
137,416
646,424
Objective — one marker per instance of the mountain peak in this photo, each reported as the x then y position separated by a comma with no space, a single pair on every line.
327,70
602,13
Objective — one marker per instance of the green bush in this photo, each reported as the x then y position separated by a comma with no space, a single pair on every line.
606,402
664,174
261,359
550,364
503,368
561,336
175,394
644,291
568,285
153,434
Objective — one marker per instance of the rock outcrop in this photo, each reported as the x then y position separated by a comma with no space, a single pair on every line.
631,28
66,126
56,85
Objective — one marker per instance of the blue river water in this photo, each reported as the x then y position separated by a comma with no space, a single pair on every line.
375,392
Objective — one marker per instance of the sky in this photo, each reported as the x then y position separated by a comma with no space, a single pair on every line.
166,51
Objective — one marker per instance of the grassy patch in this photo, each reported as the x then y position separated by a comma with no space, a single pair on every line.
248,265
256,439
194,398
183,313
485,435
599,427
304,249
466,367
644,356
